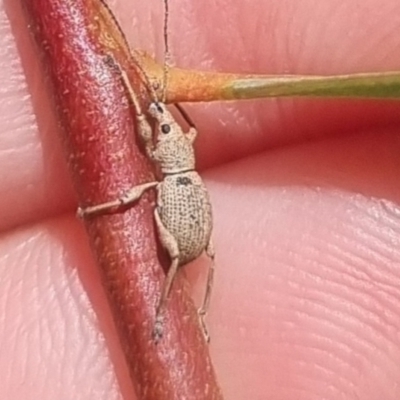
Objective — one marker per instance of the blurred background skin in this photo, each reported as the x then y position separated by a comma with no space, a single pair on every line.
306,198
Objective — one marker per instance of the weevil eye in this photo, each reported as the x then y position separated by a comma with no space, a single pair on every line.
165,128
159,108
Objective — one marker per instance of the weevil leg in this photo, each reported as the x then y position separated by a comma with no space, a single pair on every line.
128,198
210,281
170,244
144,129
192,134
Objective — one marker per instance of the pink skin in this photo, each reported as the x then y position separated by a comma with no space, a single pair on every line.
307,232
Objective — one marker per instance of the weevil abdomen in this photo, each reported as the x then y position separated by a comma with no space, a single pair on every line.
183,205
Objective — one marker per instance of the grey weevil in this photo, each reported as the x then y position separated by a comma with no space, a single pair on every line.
183,212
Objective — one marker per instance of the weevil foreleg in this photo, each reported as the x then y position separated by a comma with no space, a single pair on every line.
170,244
128,198
144,129
192,134
210,282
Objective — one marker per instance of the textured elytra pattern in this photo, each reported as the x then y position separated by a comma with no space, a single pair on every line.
184,207
174,153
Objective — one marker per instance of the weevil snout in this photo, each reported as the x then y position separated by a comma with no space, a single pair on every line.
165,121
156,110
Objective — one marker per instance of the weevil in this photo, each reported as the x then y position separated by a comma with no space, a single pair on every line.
183,212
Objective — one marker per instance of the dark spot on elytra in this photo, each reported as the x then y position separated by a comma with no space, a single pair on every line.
183,180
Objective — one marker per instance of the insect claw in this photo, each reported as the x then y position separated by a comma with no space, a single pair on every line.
80,213
111,62
158,329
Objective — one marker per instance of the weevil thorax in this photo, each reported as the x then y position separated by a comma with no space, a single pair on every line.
173,151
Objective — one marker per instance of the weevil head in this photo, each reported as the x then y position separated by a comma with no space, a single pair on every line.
166,126
173,150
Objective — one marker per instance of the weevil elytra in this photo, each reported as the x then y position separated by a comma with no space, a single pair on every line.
183,210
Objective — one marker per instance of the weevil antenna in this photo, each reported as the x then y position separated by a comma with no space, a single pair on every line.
116,23
138,64
167,54
145,77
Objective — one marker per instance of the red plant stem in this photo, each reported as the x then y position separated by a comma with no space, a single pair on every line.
99,139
